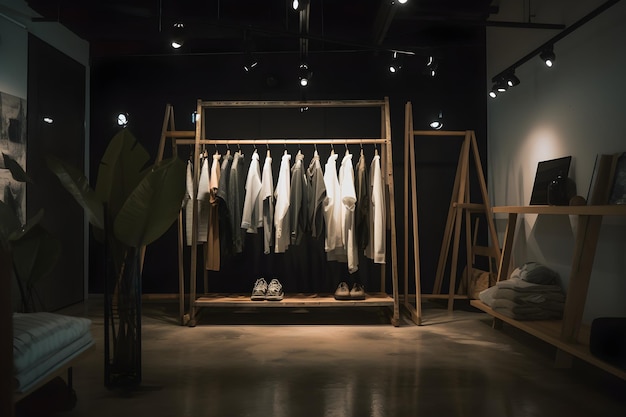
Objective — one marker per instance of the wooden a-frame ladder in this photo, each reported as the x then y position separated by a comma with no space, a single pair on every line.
459,205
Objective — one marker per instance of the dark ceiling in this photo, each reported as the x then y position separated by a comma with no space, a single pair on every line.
143,27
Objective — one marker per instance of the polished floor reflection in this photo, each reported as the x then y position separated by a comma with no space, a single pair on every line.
350,362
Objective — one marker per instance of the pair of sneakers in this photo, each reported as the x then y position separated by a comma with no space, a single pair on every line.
264,291
343,292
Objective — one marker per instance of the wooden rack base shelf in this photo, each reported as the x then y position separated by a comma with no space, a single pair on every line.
564,334
292,300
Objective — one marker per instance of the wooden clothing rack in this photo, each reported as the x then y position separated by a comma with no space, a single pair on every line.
198,139
460,205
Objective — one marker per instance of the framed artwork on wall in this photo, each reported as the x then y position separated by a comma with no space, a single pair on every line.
13,143
546,172
618,190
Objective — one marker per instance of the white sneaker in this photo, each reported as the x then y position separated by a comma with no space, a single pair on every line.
274,291
259,290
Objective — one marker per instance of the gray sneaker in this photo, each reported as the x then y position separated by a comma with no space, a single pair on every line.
259,290
274,291
342,292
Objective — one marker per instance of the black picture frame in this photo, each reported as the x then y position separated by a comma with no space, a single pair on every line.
546,172
618,190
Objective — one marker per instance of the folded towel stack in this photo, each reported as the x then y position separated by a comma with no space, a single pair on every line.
530,294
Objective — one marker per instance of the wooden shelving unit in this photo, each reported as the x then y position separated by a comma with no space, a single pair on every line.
564,334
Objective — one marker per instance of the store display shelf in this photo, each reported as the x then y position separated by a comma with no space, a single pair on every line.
606,210
549,332
292,300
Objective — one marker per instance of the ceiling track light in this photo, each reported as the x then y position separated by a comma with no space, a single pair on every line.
494,92
437,123
548,57
299,5
304,75
395,65
178,35
431,66
122,119
546,50
511,79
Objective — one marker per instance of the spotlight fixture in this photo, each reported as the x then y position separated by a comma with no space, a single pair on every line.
403,1
494,92
395,65
431,66
305,75
501,85
48,120
250,63
178,38
437,123
122,119
299,5
548,57
511,79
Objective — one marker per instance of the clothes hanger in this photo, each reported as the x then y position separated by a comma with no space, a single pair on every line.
267,154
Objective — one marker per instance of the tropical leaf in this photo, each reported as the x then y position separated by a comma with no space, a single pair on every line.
17,172
35,253
9,223
77,184
121,169
25,229
153,206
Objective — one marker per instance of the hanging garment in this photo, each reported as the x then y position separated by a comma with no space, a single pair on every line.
333,244
251,218
188,203
212,259
235,200
298,216
317,194
376,247
348,205
266,197
203,200
361,215
225,223
281,213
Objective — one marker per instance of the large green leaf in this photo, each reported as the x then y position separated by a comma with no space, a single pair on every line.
78,186
35,253
17,172
120,170
153,206
9,223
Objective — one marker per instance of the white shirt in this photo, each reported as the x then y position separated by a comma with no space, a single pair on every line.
251,212
266,198
333,244
377,240
348,204
282,194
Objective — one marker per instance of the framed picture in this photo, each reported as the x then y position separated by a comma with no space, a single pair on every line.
618,190
546,172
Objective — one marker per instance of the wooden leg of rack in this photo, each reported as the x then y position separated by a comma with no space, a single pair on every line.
563,360
496,324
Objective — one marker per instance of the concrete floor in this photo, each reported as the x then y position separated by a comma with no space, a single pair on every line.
350,362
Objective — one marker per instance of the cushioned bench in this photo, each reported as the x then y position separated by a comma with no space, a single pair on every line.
45,346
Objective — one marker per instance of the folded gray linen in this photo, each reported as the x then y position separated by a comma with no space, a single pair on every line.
536,273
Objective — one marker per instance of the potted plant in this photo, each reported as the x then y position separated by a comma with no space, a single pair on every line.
132,205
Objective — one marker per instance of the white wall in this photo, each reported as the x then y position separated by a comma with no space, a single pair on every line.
576,108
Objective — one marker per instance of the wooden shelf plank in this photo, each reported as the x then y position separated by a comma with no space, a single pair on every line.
292,300
607,210
549,331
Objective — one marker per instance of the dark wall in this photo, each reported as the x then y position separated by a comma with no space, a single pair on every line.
56,88
142,86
